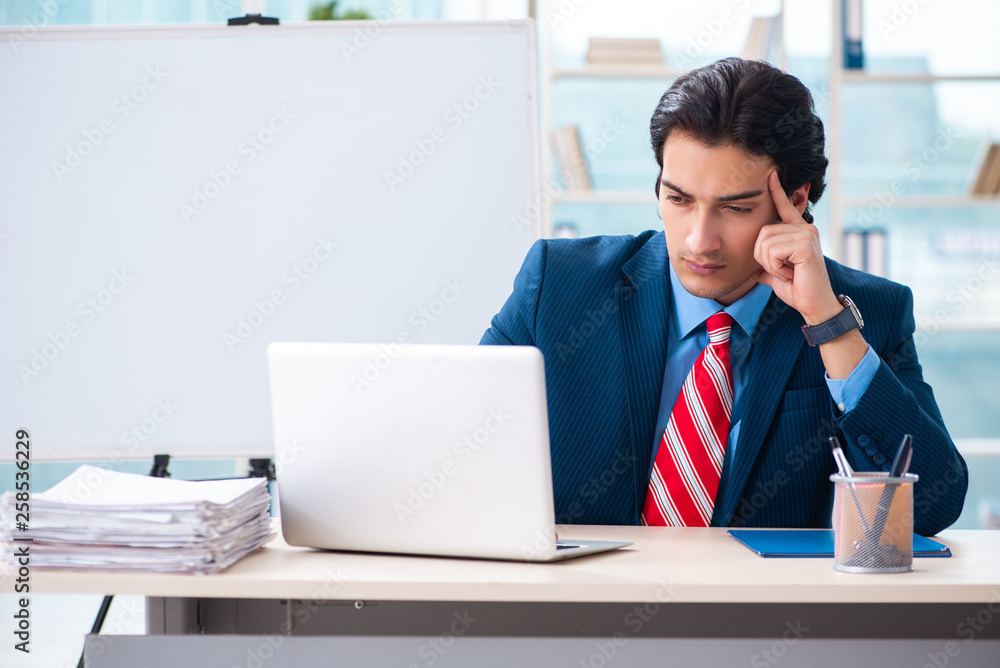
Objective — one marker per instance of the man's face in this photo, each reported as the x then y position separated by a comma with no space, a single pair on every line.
714,202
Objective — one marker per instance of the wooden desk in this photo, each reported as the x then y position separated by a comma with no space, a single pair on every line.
698,565
673,587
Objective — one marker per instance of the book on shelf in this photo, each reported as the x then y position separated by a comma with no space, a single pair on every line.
988,179
609,51
761,38
854,249
865,250
875,252
851,28
569,150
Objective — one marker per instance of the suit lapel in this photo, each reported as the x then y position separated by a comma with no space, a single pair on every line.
777,344
643,302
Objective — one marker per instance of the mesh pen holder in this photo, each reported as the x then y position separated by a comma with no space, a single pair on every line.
873,523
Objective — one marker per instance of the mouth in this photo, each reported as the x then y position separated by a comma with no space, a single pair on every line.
706,269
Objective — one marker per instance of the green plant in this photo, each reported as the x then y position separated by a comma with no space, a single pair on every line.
328,12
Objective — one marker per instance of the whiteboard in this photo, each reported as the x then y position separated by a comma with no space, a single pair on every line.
174,199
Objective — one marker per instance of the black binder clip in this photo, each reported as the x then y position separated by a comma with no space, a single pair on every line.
253,18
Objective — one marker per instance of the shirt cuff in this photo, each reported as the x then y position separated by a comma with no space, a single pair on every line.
847,392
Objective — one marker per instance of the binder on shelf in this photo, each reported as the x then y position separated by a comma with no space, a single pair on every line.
608,51
854,57
570,153
875,251
854,249
988,179
865,250
761,38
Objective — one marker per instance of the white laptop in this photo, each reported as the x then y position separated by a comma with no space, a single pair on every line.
416,449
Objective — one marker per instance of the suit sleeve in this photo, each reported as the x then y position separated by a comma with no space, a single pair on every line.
515,323
898,401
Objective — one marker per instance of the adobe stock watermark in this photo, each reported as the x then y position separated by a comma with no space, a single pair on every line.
773,653
302,611
294,278
530,217
86,484
969,628
420,319
35,23
129,612
594,147
227,9
88,310
914,169
959,297
635,620
899,16
711,30
435,648
591,323
561,12
593,320
363,37
596,486
218,180
463,450
122,107
287,452
140,432
456,116
755,499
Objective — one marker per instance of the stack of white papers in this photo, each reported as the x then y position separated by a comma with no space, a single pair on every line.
97,518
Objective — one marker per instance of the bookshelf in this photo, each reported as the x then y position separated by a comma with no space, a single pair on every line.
615,71
552,75
925,201
839,77
609,196
846,195
851,76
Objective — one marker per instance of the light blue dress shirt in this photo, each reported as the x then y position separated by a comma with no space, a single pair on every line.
688,337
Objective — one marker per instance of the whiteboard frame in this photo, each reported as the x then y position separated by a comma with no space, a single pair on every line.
113,452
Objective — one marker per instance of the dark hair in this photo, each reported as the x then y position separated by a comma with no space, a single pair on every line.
753,106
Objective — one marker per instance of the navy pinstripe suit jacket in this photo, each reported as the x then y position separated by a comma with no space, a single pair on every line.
598,309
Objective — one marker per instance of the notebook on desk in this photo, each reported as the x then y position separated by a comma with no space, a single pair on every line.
438,450
815,543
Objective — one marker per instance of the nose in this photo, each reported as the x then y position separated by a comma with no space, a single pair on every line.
703,236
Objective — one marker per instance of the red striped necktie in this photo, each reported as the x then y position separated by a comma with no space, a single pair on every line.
688,463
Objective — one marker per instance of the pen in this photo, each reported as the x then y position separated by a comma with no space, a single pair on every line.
900,465
840,458
845,470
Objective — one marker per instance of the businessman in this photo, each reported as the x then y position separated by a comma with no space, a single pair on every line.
694,375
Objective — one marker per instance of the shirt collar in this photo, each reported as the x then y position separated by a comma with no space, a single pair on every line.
690,311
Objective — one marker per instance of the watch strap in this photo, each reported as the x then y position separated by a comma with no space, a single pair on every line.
838,325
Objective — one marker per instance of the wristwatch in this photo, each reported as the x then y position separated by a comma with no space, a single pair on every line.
836,326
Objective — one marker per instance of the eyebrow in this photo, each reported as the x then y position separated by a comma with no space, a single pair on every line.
749,194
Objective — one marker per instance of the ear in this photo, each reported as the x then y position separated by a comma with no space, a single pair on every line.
800,198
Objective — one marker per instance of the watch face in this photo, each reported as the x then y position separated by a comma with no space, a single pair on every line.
849,303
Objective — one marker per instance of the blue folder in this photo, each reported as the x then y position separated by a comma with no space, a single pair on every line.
815,543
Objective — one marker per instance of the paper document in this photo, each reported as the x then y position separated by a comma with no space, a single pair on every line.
96,518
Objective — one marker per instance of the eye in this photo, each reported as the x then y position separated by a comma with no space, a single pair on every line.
676,199
739,209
